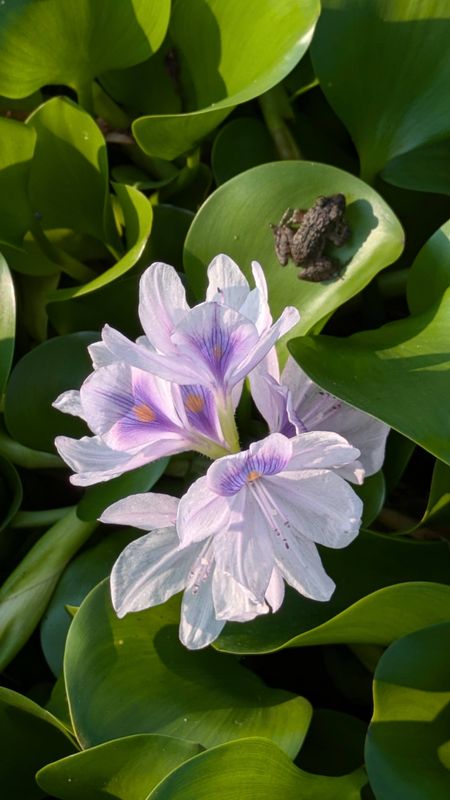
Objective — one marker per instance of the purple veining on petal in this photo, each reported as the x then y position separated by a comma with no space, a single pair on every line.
201,410
321,406
249,469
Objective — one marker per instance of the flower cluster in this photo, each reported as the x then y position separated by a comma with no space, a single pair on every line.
252,522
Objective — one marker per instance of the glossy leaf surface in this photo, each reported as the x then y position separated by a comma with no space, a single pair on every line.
251,201
411,354
408,747
134,676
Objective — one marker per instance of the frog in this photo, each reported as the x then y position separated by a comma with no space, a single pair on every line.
302,235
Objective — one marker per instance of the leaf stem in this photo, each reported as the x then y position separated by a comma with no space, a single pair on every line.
23,456
276,110
39,519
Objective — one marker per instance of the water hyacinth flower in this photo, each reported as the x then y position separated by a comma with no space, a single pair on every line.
292,403
250,524
175,388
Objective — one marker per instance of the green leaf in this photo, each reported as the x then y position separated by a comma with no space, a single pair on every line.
251,201
378,618
391,99
372,492
334,744
125,769
425,169
228,53
16,155
372,562
137,215
81,575
10,492
250,769
410,355
7,323
31,737
132,675
63,43
241,144
437,512
65,363
429,276
69,172
26,592
407,749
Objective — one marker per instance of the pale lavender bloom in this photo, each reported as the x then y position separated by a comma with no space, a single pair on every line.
242,530
216,343
136,418
293,404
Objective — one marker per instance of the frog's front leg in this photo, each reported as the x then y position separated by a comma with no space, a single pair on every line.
321,269
339,234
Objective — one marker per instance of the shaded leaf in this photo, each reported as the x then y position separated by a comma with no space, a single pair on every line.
254,768
226,54
16,155
10,492
395,100
429,276
26,592
125,769
134,676
7,323
407,749
31,737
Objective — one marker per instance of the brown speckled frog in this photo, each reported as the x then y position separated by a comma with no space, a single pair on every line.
303,236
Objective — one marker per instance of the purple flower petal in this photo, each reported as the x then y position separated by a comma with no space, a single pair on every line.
288,319
198,623
232,601
229,474
302,569
321,450
94,461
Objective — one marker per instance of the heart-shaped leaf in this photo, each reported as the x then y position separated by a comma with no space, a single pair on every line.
393,101
407,749
411,355
429,276
224,54
250,202
31,737
256,769
65,363
132,675
124,769
65,43
69,173
16,154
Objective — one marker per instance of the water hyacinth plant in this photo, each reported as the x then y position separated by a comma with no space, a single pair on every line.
224,382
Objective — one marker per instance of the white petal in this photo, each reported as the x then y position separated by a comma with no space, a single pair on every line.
318,504
226,283
198,623
201,513
69,403
302,568
146,511
232,601
275,590
320,450
94,461
270,399
149,571
243,550
100,355
362,431
162,304
122,349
